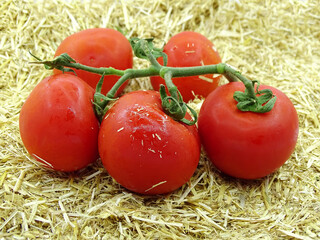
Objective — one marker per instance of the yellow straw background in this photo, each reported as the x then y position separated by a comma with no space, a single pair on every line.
276,42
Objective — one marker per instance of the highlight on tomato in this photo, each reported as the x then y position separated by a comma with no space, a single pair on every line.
144,149
98,47
247,145
58,125
188,49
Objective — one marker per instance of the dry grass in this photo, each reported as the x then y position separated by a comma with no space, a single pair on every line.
277,42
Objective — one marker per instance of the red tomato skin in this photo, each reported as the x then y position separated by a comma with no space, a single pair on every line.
245,144
145,150
188,49
98,47
57,123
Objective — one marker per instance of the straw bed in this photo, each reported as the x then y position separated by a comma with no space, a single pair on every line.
277,42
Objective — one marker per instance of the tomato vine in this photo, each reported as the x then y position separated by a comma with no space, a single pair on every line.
252,99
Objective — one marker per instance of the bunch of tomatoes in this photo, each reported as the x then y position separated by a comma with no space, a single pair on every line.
141,147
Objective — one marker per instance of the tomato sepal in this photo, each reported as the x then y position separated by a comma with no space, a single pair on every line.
58,63
261,102
176,108
144,48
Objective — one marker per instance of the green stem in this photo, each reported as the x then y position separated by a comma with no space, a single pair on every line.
112,92
247,83
171,87
134,73
230,77
150,56
102,103
129,74
100,71
156,69
145,50
231,74
190,71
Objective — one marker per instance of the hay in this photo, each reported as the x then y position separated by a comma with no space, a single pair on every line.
276,42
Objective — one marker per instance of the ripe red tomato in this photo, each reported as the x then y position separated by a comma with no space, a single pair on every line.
145,150
57,123
245,144
98,47
188,49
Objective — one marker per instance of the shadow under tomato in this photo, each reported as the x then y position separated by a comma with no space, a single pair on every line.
223,178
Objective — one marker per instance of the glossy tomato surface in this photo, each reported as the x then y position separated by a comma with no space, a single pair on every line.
245,144
188,49
145,150
57,123
98,47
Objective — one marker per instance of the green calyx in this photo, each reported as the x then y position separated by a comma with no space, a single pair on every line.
261,102
144,48
100,101
176,108
58,63
252,99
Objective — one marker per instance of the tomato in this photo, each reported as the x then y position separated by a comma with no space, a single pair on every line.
245,144
188,49
58,125
98,47
145,150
